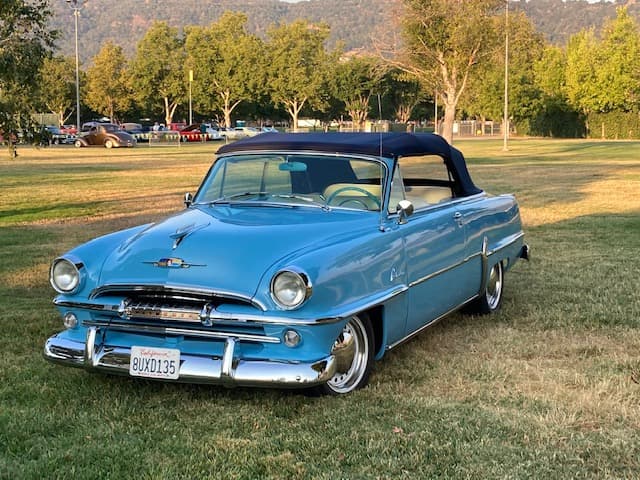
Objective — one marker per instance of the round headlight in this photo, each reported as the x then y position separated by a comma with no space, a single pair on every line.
65,276
290,289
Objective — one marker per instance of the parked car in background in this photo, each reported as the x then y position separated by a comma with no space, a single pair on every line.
138,131
239,132
199,132
69,129
108,135
55,135
176,126
301,259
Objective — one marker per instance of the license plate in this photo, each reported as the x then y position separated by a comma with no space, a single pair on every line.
153,362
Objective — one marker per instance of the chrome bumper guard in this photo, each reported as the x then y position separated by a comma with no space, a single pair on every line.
227,370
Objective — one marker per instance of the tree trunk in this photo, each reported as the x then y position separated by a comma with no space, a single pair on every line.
449,117
294,107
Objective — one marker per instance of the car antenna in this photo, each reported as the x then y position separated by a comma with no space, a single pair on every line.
381,227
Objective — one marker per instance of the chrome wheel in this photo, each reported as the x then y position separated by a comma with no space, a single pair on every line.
490,300
494,287
353,350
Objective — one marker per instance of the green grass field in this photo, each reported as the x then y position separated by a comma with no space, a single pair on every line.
547,388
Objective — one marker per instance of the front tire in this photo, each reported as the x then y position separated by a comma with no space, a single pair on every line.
77,143
354,352
491,299
108,143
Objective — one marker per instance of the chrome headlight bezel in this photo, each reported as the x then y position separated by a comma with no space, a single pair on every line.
74,268
298,284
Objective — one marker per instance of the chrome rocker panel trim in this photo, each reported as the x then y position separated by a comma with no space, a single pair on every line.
227,370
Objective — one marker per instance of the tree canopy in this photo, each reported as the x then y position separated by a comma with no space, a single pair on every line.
227,64
443,41
157,73
298,66
25,40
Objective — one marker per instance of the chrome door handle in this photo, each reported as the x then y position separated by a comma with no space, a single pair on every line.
458,218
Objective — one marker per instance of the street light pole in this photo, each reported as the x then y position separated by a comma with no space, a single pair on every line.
76,13
190,109
505,146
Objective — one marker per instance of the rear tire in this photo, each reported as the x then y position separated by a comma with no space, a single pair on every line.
108,143
77,143
354,352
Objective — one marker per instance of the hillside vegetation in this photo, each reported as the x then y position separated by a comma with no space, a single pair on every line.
353,22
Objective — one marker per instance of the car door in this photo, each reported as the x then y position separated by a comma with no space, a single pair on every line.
435,248
438,275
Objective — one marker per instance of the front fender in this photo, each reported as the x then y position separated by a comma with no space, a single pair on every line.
94,253
346,277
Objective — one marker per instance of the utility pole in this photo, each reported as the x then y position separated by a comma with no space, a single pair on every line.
505,146
76,5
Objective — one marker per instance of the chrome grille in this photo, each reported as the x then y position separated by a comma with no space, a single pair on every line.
174,311
190,317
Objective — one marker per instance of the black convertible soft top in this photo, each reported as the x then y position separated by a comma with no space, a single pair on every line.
390,145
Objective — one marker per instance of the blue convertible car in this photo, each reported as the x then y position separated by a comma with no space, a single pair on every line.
301,259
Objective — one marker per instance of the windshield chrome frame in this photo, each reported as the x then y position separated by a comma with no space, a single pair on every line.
384,181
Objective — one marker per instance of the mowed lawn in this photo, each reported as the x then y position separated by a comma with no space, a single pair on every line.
547,388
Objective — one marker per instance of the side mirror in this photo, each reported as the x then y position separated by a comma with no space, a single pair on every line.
404,210
188,199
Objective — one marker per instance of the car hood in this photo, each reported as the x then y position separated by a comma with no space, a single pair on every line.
227,248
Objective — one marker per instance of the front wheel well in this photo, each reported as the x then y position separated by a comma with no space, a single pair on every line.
376,317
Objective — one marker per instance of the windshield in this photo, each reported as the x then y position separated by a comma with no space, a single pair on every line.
298,179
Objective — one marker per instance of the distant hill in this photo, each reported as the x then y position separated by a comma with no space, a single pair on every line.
352,22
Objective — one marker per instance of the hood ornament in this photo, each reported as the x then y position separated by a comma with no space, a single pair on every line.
182,232
173,262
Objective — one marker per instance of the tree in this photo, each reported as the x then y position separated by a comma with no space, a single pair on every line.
581,85
227,64
406,93
58,86
484,96
443,41
107,87
24,43
355,80
158,76
619,66
298,66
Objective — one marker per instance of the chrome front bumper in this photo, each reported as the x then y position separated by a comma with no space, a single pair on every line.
227,370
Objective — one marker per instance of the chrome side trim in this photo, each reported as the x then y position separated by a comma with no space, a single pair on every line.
484,254
507,243
374,303
443,270
172,290
416,332
134,328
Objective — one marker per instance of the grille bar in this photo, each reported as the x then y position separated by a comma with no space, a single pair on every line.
161,311
187,332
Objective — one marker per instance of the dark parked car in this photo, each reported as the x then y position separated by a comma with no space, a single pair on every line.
55,135
107,134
